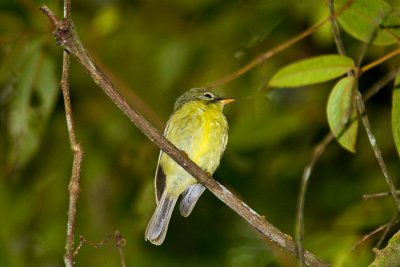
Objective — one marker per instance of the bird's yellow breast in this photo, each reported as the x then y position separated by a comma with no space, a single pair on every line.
200,130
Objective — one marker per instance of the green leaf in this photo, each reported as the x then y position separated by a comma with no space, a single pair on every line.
370,20
34,90
312,70
396,114
390,255
339,104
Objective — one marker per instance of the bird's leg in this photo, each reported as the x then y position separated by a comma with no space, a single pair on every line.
208,176
185,155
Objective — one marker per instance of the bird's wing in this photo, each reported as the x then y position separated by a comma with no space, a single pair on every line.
159,179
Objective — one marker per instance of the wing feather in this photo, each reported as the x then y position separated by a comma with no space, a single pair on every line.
159,178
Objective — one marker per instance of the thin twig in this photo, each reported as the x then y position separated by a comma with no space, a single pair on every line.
340,48
335,29
119,241
67,37
381,83
83,240
388,227
67,9
385,228
317,152
270,53
370,234
50,15
379,60
375,148
378,195
364,118
73,187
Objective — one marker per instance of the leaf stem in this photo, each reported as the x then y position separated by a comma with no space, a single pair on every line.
379,61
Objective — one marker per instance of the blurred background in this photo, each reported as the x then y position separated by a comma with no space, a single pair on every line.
154,51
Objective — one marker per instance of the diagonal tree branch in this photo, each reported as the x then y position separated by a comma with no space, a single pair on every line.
67,37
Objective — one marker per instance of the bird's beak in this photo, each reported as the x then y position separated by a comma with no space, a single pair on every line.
227,100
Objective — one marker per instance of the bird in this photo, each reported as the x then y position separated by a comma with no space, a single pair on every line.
199,128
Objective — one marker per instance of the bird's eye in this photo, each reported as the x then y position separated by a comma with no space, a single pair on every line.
208,95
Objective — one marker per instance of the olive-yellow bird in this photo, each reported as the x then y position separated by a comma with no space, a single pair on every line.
199,128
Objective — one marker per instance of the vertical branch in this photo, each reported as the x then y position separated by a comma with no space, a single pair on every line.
363,114
73,187
361,108
67,9
335,29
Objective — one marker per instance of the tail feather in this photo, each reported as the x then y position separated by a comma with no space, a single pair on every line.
158,225
189,198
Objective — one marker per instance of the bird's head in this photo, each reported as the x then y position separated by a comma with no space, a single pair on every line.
201,94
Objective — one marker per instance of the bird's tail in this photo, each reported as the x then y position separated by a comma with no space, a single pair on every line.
158,225
189,198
